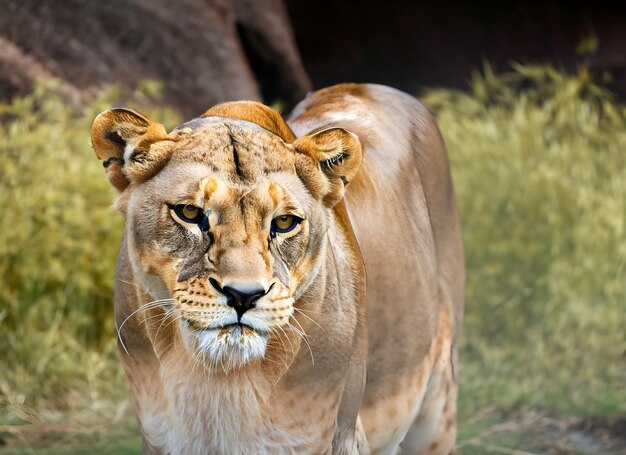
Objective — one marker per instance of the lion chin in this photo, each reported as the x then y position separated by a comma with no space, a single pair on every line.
228,348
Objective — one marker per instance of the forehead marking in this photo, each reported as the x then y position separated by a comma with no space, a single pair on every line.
274,192
236,160
210,186
234,143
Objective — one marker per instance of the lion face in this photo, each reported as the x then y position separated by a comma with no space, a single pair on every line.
234,241
227,221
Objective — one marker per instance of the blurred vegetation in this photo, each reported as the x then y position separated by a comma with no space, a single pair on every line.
58,244
539,164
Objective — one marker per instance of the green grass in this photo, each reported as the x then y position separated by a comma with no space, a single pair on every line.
539,165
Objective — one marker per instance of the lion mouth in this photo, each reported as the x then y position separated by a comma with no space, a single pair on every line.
236,328
236,324
230,346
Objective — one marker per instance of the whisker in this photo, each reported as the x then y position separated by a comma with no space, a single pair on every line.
176,317
192,358
128,282
309,318
293,350
293,357
310,311
166,316
304,338
149,318
197,358
144,307
299,326
280,339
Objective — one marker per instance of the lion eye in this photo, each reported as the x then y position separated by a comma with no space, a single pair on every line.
284,223
189,213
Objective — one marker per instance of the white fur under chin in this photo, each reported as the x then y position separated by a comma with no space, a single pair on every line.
228,348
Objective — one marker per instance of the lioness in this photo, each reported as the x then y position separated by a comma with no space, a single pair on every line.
245,322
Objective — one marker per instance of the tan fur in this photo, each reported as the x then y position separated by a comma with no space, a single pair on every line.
254,112
367,172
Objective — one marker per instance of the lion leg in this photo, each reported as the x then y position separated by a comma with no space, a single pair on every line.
433,432
147,448
349,438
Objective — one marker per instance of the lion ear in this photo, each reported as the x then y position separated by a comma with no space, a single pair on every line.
123,140
337,153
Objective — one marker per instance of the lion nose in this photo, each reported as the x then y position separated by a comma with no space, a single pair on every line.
241,300
242,296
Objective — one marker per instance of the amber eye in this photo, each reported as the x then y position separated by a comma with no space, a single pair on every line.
284,223
189,213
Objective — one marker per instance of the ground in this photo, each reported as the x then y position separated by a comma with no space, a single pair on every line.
489,431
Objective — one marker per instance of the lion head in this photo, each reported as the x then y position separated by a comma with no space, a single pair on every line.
225,219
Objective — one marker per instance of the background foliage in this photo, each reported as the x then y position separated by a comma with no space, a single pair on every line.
58,244
540,173
539,164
